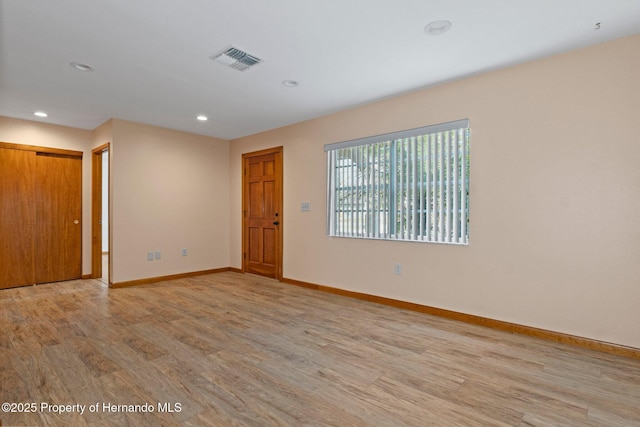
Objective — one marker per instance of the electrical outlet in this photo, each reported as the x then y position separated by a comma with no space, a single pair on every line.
305,206
150,256
184,252
158,254
397,269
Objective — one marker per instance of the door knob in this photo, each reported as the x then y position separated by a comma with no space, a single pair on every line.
75,221
276,222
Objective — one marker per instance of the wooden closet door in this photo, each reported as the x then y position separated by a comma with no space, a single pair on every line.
17,218
58,227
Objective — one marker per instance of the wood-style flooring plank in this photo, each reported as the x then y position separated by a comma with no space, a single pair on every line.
230,349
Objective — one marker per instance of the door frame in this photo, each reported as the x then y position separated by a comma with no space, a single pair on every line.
96,211
278,151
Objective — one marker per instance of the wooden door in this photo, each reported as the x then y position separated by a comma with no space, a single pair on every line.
40,213
58,201
17,218
262,213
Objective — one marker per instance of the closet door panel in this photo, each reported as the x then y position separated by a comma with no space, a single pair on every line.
17,218
58,227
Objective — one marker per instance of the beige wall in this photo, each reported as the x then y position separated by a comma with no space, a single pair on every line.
45,135
555,229
169,191
554,204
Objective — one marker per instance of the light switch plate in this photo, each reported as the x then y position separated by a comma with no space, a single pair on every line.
305,206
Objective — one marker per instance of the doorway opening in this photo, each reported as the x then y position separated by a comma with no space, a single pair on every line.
101,241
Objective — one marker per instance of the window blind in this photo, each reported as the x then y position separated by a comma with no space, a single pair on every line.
411,185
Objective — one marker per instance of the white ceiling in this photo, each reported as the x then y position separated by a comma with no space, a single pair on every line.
152,57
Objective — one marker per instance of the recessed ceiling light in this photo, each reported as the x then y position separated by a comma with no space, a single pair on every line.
202,118
81,67
289,83
436,28
40,114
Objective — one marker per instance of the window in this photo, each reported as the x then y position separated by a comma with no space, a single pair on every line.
410,185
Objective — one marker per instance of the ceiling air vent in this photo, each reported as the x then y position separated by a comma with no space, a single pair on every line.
236,59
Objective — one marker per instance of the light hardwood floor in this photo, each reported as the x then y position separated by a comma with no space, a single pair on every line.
236,350
105,268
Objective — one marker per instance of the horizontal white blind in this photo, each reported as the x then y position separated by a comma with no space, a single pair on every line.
413,186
